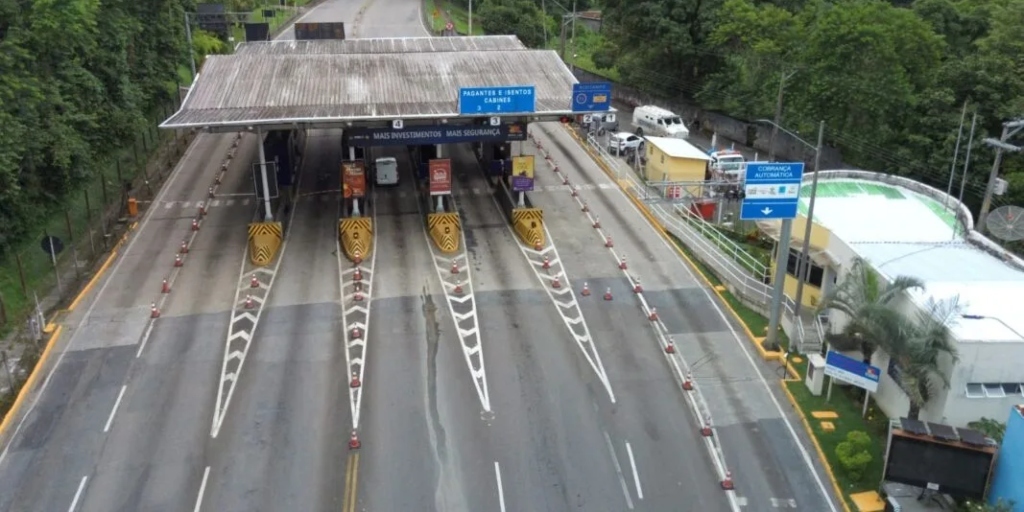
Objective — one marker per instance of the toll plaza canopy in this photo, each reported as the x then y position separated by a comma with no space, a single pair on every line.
367,82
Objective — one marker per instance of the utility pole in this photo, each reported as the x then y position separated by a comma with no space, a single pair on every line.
804,263
470,18
562,50
778,113
986,203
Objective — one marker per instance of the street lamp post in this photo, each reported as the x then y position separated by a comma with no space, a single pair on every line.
1009,130
803,262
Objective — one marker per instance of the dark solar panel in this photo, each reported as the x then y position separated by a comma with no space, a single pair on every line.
943,432
972,437
913,426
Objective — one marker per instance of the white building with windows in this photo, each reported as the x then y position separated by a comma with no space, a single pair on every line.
902,227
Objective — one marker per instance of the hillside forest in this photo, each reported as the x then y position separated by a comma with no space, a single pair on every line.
889,78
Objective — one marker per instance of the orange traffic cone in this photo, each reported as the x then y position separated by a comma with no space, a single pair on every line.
458,288
597,222
706,429
254,282
547,263
248,302
608,242
654,315
556,283
356,333
177,261
184,247
585,207
688,383
636,287
455,267
355,381
622,262
727,482
537,246
357,275
165,288
586,290
358,258
608,294
153,311
353,442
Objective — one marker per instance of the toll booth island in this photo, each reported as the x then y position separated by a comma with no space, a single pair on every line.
422,93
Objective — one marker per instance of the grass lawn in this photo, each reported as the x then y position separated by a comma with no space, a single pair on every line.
460,18
847,402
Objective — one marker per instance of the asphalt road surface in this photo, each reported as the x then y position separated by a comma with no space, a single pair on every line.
124,421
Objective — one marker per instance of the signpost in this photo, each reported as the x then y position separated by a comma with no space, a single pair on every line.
522,173
440,171
772,190
852,371
591,96
53,246
497,100
772,193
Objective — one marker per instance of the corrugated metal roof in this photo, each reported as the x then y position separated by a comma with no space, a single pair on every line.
382,45
253,88
678,148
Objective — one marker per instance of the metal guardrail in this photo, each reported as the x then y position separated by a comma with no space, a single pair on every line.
727,245
746,286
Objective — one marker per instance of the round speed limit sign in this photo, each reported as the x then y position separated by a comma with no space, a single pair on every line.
449,26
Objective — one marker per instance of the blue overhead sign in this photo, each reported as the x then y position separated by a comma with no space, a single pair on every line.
772,190
497,100
852,371
440,134
591,97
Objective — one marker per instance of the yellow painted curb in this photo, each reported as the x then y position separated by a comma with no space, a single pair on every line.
30,381
756,341
817,446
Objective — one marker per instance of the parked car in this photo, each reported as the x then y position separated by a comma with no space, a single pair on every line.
624,142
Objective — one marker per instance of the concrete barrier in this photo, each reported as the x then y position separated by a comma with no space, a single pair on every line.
446,230
356,236
529,225
264,241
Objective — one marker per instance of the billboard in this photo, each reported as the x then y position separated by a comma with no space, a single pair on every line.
949,467
522,173
257,31
441,134
440,172
353,179
315,31
211,18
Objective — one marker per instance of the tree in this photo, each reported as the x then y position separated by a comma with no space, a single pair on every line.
1000,506
919,344
867,302
990,427
520,17
207,43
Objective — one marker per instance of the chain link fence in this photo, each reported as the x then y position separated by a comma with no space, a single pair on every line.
46,269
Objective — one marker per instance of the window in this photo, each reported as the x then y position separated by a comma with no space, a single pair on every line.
817,274
662,158
994,389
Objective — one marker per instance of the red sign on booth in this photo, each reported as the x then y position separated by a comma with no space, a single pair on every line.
440,172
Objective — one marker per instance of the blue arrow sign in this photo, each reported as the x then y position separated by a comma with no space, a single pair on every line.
591,97
772,190
497,100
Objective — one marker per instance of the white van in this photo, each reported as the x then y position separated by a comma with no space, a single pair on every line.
386,170
659,122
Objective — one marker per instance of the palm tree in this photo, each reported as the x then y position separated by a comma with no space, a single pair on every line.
866,300
918,345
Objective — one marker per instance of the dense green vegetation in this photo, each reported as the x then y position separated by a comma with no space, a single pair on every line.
889,78
78,79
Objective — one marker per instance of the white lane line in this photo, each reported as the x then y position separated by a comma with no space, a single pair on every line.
78,494
145,338
168,185
636,475
804,453
117,403
618,470
501,492
202,490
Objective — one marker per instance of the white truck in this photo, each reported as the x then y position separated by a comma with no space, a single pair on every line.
728,165
659,122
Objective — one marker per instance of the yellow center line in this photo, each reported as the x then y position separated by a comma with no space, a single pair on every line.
351,483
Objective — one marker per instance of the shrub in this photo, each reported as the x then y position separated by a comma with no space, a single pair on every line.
853,454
